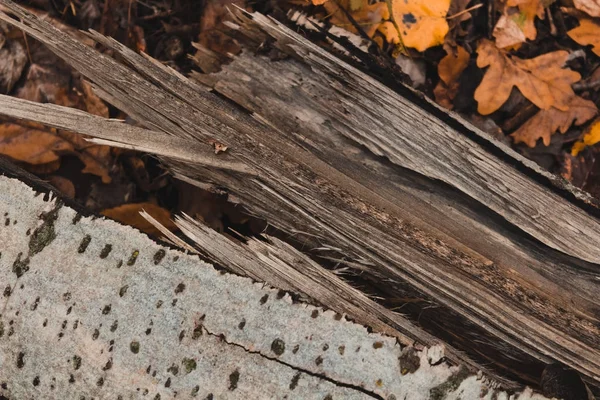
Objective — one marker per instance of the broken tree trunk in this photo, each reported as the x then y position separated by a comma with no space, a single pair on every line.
95,309
472,241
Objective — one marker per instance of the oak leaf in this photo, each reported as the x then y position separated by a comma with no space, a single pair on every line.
546,122
449,69
129,214
422,23
518,22
587,33
590,138
591,7
541,79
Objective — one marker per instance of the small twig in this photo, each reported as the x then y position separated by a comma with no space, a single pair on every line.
466,10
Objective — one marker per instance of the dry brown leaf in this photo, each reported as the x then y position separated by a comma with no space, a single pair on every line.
449,69
541,80
32,144
517,22
591,7
12,61
64,185
587,33
546,122
129,214
367,16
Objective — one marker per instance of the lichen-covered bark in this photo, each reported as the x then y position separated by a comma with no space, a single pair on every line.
95,309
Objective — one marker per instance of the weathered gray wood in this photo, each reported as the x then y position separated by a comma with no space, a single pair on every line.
518,310
142,321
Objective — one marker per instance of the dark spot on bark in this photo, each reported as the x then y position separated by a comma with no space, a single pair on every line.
174,369
44,234
119,264
123,290
278,347
106,309
451,384
21,360
106,250
85,242
69,310
325,347
168,383
189,364
377,345
95,334
209,397
157,397
108,365
197,332
409,360
76,362
71,378
134,347
337,316
66,296
100,382
296,348
195,391
133,258
158,256
45,323
76,218
314,314
181,335
20,267
234,378
294,381
174,302
7,222
180,288
242,324
8,291
319,360
328,397
342,349
114,326
36,381
1,328
280,294
148,331
264,299
159,304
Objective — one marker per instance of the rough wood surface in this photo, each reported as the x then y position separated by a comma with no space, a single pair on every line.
481,284
95,309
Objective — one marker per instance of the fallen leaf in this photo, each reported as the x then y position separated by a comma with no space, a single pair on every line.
422,23
546,122
449,69
587,33
518,22
590,138
456,15
367,16
63,185
591,7
32,143
541,79
12,61
129,214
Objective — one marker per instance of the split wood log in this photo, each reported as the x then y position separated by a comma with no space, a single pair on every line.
499,256
95,309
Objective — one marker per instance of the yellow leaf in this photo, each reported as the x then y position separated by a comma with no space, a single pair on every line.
541,79
587,33
590,138
422,23
546,122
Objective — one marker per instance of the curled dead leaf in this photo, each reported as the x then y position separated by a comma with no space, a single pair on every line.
542,80
546,122
129,214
